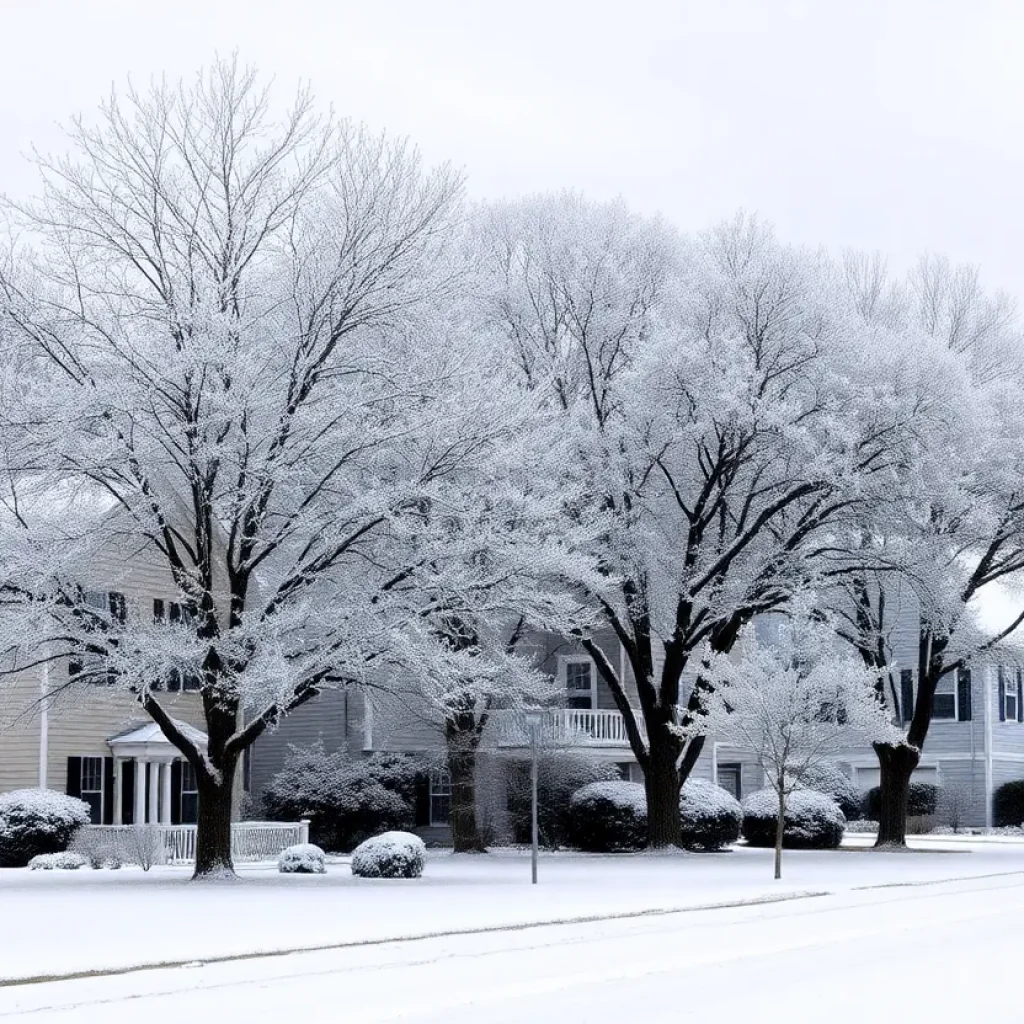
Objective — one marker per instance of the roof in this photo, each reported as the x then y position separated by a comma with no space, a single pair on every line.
150,732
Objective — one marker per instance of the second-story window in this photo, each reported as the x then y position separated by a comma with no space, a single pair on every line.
580,689
174,612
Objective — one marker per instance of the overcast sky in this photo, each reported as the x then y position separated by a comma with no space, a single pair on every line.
884,124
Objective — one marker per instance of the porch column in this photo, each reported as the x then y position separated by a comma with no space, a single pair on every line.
140,791
154,793
118,790
165,793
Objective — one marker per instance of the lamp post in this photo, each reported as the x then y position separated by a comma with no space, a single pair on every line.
533,722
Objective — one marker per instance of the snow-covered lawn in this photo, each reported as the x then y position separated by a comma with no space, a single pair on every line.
63,922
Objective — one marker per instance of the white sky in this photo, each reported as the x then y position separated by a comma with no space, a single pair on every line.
882,124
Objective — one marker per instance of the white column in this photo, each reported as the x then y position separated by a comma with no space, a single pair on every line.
154,793
44,723
140,791
367,722
165,793
118,790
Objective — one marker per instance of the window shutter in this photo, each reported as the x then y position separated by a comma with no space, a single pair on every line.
74,784
1002,695
158,610
423,800
907,693
963,695
176,792
128,794
1020,693
118,608
108,791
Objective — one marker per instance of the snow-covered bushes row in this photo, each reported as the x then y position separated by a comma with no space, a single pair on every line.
922,801
828,778
813,821
606,817
391,855
64,861
302,859
37,821
710,816
346,799
559,776
1008,804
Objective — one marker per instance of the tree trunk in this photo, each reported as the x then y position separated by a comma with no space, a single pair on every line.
466,836
780,833
661,785
897,763
213,831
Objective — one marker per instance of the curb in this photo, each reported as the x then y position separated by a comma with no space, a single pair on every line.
265,954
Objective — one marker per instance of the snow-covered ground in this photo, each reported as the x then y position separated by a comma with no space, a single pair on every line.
842,958
54,923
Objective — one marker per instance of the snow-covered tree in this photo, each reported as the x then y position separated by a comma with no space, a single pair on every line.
246,363
947,534
793,703
725,399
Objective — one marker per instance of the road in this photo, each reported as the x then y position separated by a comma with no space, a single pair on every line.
849,957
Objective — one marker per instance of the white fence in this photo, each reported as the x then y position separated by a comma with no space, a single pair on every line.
566,727
176,844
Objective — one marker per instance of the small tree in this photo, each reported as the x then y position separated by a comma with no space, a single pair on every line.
792,704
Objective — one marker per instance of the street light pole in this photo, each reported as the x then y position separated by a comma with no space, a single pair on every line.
533,719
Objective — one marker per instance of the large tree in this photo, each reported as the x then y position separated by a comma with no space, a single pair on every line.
241,368
725,401
948,532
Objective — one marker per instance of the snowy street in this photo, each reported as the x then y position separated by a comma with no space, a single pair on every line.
847,952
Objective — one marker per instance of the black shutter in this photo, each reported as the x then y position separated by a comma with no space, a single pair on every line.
1020,704
963,695
1002,695
422,800
108,791
128,794
907,693
118,608
158,609
74,784
175,792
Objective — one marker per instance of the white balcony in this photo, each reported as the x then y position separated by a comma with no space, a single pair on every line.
566,727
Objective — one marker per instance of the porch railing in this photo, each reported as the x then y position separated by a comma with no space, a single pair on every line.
176,844
566,727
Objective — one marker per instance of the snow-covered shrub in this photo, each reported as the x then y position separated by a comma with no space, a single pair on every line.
302,859
605,817
711,817
391,855
1008,804
827,777
345,798
922,801
35,821
63,861
559,775
813,820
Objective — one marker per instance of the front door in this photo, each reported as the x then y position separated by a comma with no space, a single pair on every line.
730,779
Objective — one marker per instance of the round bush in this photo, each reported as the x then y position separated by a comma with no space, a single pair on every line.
66,861
711,817
813,820
922,801
1008,804
827,777
390,855
35,821
302,859
607,817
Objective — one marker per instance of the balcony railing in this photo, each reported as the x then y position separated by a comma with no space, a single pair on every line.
566,727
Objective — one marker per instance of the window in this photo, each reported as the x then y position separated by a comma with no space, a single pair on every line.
579,683
99,609
944,703
1011,700
189,794
175,613
440,797
92,787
